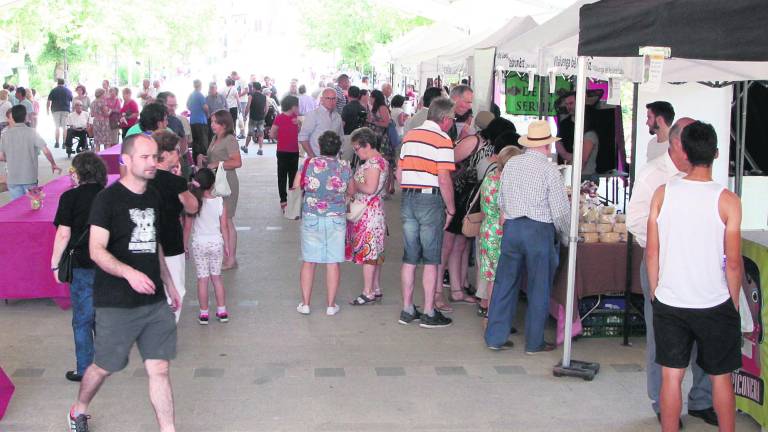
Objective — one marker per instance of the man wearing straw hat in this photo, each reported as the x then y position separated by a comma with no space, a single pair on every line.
535,209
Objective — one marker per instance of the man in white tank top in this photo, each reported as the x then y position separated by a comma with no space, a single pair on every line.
694,223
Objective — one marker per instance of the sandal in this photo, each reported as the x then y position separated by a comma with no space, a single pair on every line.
442,307
362,300
464,299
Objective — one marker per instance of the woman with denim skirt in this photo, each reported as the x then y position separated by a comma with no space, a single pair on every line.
89,174
324,180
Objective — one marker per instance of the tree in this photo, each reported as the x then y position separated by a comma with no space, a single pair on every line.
353,27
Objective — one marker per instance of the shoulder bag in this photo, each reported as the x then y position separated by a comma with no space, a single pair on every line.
295,195
65,262
470,226
357,208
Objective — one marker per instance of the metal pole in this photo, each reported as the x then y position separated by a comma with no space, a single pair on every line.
736,158
742,144
630,237
573,239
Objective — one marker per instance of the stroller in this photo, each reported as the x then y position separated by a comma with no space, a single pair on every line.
269,119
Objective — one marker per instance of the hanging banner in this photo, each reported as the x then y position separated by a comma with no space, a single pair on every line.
749,381
521,101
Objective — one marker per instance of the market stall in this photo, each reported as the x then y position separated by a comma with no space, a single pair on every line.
111,157
6,392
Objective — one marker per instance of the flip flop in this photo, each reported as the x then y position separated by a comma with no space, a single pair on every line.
444,308
362,300
464,299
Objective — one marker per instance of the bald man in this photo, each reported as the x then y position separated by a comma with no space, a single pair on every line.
322,119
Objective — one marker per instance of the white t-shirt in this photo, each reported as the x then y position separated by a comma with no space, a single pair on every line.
232,97
206,226
242,85
656,148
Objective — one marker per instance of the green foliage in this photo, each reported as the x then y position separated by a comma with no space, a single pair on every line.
353,27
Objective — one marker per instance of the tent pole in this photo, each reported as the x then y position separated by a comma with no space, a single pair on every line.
573,239
742,144
737,147
630,237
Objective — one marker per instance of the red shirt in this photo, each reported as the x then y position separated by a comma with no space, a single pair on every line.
287,133
130,108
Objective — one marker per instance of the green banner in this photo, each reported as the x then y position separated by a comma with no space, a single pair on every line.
520,101
749,381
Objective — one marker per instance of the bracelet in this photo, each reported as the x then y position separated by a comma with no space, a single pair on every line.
449,213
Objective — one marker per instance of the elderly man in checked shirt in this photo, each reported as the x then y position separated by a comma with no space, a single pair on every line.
535,209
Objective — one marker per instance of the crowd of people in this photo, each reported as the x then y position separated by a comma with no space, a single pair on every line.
178,193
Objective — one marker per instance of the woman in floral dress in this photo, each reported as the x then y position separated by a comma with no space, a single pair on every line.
379,120
365,237
324,180
102,133
491,230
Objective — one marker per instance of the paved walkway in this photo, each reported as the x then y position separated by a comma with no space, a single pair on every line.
271,369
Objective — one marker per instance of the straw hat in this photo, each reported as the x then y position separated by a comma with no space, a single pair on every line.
483,119
539,135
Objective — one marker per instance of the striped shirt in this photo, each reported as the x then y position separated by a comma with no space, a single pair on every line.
532,187
425,150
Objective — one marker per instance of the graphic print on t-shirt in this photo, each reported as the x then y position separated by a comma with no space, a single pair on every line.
143,237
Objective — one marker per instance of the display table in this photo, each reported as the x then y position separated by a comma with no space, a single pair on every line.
601,268
28,236
111,157
6,391
749,381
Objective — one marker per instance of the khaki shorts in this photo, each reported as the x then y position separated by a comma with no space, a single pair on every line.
60,118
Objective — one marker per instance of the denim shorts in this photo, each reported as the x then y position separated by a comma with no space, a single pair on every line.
423,217
323,238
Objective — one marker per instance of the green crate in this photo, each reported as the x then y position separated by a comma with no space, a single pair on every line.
610,323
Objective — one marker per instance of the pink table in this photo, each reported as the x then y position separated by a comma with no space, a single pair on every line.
28,236
111,157
6,391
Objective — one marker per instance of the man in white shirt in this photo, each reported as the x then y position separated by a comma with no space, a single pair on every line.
324,118
659,171
660,117
77,124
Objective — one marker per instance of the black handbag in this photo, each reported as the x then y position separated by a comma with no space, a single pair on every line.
65,262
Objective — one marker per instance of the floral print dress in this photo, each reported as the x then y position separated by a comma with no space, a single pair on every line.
365,238
325,185
490,230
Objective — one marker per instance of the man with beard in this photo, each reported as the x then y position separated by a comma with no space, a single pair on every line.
660,118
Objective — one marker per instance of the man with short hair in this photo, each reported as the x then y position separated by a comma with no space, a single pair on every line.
420,116
427,206
306,102
175,197
131,304
293,90
269,83
19,147
536,210
255,114
77,126
354,115
660,116
198,119
342,85
386,89
672,164
242,90
693,224
153,117
462,96
59,100
324,118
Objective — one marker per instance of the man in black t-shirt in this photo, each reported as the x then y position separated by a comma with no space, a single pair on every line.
175,197
255,112
354,114
129,297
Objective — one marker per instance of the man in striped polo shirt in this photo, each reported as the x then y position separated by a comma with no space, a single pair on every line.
424,172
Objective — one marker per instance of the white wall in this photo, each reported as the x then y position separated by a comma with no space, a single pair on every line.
699,102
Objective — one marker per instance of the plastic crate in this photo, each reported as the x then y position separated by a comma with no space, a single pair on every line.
610,323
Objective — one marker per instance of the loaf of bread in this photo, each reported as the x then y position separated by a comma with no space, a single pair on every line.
620,228
590,216
607,210
588,228
605,219
610,237
620,218
604,227
590,237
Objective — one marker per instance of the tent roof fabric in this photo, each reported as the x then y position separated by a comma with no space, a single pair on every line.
732,30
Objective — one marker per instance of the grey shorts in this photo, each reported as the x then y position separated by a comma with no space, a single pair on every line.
151,327
255,127
60,118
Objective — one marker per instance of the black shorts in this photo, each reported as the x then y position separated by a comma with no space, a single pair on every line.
716,331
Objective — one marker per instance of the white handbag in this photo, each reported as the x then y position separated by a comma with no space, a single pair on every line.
356,210
221,185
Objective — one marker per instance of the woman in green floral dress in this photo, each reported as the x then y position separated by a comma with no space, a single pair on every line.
491,230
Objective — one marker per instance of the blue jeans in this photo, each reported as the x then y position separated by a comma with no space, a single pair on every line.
83,316
528,246
700,395
423,217
17,190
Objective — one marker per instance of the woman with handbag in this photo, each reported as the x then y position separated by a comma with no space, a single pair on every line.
70,260
366,227
324,181
113,103
224,148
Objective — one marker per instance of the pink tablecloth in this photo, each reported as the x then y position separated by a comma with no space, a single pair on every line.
6,391
111,157
25,259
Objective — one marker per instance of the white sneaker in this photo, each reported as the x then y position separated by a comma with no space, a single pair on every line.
332,310
302,309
